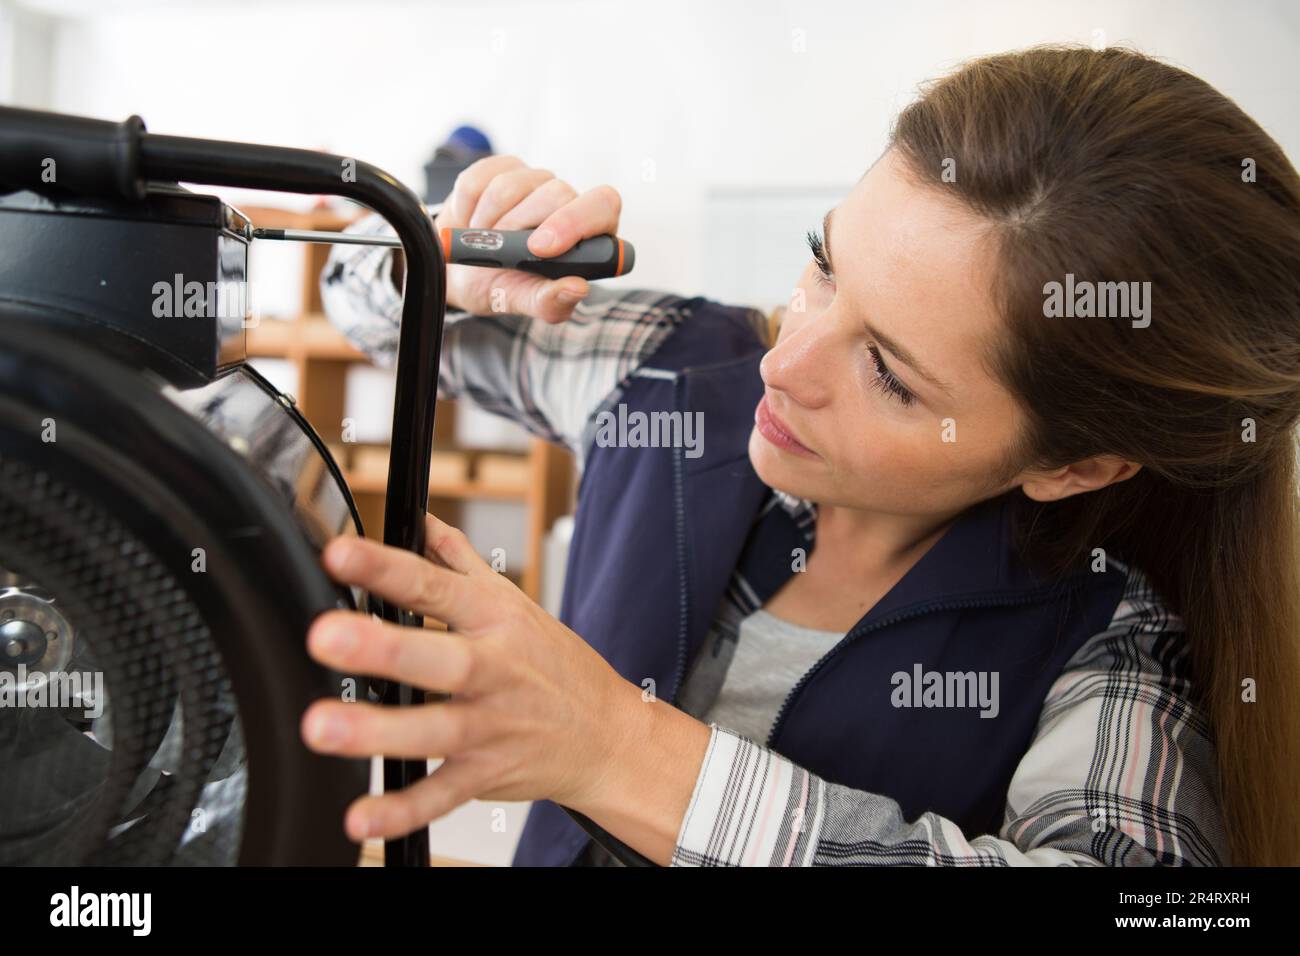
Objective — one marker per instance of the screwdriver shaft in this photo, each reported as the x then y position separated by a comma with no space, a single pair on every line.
310,235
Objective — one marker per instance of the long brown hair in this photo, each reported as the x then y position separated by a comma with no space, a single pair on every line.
1115,167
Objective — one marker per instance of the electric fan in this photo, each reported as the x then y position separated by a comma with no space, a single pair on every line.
162,508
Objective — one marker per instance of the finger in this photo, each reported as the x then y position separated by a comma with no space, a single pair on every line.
593,213
367,730
556,301
503,193
447,544
404,811
551,300
539,204
356,643
410,581
469,185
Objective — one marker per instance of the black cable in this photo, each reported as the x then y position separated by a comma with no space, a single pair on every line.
616,847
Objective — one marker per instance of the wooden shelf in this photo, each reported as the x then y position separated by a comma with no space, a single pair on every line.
365,484
322,356
308,336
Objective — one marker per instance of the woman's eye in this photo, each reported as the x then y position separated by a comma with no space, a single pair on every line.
818,247
885,381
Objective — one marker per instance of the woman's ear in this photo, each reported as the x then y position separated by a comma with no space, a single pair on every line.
1078,478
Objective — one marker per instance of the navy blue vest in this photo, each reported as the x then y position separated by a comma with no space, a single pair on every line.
658,534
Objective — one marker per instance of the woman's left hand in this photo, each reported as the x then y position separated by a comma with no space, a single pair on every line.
535,713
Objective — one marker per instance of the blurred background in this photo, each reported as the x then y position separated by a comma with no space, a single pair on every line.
728,127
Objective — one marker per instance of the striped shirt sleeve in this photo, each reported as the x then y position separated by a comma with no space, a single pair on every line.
548,378
1121,772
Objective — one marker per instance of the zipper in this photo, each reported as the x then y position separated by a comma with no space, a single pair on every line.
916,610
679,503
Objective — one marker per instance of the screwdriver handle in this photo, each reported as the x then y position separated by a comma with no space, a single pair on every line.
599,257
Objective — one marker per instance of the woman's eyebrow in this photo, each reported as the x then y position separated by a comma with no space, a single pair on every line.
888,344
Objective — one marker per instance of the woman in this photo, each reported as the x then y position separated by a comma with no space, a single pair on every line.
990,557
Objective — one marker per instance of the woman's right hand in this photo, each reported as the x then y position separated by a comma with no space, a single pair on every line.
500,192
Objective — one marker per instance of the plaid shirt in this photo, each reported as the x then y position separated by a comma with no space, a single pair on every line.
1120,772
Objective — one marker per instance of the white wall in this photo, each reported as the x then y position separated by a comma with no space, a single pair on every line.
726,125
698,94
26,51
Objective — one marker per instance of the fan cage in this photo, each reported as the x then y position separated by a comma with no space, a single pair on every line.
135,754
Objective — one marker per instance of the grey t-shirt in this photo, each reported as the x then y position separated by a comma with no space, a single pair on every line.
741,677
767,660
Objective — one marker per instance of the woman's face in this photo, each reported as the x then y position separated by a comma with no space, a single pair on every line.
876,377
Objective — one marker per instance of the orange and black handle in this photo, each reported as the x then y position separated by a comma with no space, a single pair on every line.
599,257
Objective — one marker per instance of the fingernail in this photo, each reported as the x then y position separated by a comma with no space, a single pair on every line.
359,826
568,296
328,730
341,638
542,239
338,557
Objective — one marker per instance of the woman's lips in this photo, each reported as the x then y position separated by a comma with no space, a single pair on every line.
776,432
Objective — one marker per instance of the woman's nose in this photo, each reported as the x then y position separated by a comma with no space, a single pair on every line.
801,364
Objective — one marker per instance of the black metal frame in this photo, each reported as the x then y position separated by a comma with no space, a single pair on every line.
217,163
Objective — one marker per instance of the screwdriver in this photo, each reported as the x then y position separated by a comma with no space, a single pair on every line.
598,257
